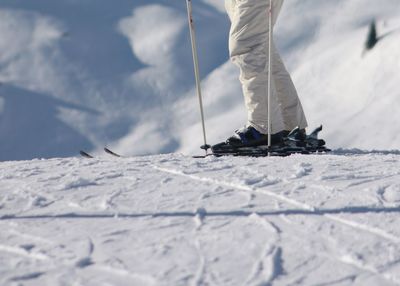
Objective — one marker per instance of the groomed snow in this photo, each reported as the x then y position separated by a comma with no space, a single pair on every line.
174,220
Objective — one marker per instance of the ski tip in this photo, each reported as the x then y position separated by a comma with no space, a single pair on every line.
108,151
85,154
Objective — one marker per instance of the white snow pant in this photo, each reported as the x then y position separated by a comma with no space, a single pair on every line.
248,49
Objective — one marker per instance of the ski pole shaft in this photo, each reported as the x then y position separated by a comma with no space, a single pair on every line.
270,72
196,70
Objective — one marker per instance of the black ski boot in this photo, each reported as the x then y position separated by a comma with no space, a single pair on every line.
248,141
249,137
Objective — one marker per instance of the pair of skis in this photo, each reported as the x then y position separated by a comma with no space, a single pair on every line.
295,143
108,151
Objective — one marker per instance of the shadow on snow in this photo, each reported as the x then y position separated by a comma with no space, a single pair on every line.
239,213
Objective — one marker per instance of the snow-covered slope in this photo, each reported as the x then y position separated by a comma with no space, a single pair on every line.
355,93
116,69
174,220
84,74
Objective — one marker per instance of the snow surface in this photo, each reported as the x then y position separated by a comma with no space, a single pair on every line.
174,220
84,74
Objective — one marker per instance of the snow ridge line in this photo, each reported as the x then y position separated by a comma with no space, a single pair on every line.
198,278
23,252
351,261
141,279
364,227
236,186
307,207
268,266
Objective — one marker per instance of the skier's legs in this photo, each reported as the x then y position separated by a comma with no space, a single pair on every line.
249,49
230,8
291,108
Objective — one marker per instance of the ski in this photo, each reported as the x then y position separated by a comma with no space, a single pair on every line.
259,151
206,156
264,152
295,143
108,151
85,154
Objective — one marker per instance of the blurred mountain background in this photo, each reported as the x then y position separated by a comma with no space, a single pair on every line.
90,73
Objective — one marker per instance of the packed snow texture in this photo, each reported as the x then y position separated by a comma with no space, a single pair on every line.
84,74
175,220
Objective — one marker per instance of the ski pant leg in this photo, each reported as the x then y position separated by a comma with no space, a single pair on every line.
291,108
248,47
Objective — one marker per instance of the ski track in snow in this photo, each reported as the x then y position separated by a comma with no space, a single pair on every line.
174,220
300,172
307,207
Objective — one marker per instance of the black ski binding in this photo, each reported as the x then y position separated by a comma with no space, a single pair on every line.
296,142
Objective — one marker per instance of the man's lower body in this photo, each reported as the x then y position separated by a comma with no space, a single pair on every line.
248,48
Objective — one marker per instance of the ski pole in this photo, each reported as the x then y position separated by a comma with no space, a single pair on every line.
196,71
270,73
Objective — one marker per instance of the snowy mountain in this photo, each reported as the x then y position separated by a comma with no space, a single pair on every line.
175,220
84,74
